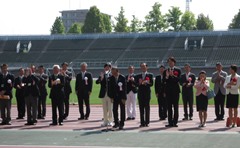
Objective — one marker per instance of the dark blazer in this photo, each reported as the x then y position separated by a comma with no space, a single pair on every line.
68,79
114,90
81,87
159,85
19,91
4,85
144,90
57,91
103,83
31,85
42,84
131,85
172,83
189,89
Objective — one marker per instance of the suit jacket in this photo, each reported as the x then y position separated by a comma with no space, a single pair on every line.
159,85
187,90
43,78
68,79
234,88
131,85
117,89
219,82
31,85
84,86
57,91
172,83
144,90
19,91
4,85
103,83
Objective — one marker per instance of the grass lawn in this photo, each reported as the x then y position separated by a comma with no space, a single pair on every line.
94,96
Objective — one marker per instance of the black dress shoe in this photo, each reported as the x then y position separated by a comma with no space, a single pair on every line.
129,118
35,121
120,127
40,118
190,118
81,118
19,118
169,125
29,123
3,123
86,118
142,125
162,119
185,119
133,118
175,125
53,124
146,125
60,123
115,126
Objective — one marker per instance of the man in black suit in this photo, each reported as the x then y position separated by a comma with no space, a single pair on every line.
106,101
31,94
67,88
83,89
117,91
56,83
43,78
131,94
6,86
160,94
19,86
144,82
171,77
187,82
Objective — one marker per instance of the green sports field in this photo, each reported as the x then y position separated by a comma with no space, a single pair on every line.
94,96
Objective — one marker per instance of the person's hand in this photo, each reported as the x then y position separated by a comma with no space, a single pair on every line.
112,100
89,93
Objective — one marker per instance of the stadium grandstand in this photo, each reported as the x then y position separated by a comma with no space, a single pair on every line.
202,49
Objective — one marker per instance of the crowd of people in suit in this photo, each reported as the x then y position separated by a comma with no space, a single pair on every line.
117,90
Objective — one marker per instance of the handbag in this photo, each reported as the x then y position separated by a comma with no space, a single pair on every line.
210,94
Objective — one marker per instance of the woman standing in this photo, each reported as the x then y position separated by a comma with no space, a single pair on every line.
232,84
202,86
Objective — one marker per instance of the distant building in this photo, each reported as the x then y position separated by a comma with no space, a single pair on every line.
70,17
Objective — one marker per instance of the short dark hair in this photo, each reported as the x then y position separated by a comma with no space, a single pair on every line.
4,65
108,64
161,66
144,64
234,67
41,66
64,63
115,68
187,64
171,59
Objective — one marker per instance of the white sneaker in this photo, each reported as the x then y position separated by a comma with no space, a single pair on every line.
110,124
103,125
204,125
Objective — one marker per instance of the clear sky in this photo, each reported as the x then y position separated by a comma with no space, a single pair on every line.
37,16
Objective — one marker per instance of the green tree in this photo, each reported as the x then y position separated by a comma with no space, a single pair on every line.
136,25
75,28
174,18
121,25
93,22
235,24
107,23
204,22
155,21
188,21
57,27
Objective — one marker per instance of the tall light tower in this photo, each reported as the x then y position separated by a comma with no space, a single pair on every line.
188,5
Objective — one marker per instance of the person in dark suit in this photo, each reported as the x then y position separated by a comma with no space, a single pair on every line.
31,94
171,77
6,86
67,88
131,94
83,89
19,86
43,78
56,83
218,78
117,91
187,81
160,94
106,101
144,81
